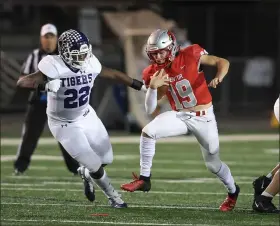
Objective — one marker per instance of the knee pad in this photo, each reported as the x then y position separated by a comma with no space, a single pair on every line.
213,147
107,158
209,151
98,174
90,160
149,131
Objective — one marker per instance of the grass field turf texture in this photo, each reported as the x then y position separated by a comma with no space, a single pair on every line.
183,191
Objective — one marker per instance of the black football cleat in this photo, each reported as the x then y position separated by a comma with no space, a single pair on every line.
260,184
264,204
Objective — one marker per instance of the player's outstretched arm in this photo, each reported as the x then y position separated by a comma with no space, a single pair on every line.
222,68
39,81
32,81
123,78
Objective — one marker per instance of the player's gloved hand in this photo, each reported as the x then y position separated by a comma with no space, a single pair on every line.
214,83
160,78
53,86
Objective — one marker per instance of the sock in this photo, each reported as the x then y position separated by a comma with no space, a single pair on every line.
104,184
266,194
225,176
147,152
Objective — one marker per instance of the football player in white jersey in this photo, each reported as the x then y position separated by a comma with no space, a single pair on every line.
69,77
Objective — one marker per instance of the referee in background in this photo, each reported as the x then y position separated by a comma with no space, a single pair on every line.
36,113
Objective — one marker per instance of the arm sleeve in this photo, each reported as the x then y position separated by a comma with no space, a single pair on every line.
26,67
151,100
47,67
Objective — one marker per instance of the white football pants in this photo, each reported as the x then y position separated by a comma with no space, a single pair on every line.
86,139
204,128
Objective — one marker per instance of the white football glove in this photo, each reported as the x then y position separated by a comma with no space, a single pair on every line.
53,86
144,89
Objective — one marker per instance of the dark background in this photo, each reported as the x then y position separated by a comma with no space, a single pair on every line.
237,31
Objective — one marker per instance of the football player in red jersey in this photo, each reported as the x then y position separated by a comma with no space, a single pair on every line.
191,104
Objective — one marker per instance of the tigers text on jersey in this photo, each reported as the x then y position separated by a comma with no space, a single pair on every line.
72,99
188,86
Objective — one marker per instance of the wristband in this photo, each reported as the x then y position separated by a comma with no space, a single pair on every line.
42,87
136,84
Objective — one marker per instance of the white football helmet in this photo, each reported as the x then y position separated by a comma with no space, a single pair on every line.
74,48
159,40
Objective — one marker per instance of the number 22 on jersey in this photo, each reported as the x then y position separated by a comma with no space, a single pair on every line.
76,98
182,94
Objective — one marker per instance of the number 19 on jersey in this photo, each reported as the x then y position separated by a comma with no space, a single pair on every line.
182,94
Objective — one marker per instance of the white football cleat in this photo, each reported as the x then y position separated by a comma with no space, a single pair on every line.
117,202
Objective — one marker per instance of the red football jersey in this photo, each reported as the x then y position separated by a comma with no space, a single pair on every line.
188,86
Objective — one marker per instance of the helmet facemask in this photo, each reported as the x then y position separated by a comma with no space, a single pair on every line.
78,58
167,58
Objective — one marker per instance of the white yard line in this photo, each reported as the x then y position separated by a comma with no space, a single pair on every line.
125,157
39,168
159,170
181,139
131,206
26,185
114,222
8,158
248,180
104,222
272,151
150,192
22,177
201,162
158,181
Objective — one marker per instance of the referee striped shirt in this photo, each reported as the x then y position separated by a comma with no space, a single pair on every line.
31,66
31,63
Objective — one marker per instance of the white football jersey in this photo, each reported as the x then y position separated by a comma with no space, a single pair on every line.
72,99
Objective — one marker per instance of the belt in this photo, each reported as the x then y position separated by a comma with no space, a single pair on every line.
195,113
200,113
